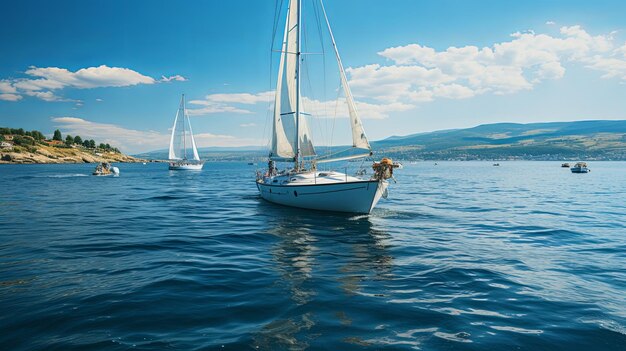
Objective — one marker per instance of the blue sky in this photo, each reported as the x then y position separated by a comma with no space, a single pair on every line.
114,70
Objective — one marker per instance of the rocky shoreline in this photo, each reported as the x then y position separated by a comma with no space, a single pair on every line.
42,154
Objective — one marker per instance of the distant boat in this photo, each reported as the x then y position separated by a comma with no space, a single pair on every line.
251,163
105,169
181,140
496,164
580,167
565,165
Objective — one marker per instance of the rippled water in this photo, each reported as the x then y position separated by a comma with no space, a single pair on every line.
462,255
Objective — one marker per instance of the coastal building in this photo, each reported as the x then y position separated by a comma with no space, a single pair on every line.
6,145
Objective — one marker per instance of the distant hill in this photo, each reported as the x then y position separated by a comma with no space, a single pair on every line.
556,140
582,140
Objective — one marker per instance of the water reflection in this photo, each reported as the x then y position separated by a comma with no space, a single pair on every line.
321,258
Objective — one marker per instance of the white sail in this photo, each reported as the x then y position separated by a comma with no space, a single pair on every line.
173,148
359,139
182,137
290,131
193,141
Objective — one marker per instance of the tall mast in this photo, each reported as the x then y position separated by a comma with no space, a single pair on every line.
182,102
299,9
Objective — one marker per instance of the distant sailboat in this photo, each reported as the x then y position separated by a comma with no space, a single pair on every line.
182,139
291,142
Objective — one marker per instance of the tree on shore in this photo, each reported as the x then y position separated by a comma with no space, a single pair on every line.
37,135
86,143
92,144
69,140
57,135
78,140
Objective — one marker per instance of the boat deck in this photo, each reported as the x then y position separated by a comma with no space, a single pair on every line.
311,178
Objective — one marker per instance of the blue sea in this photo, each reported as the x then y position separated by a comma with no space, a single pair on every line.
461,256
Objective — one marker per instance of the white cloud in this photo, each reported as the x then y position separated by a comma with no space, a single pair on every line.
223,103
99,100
177,78
47,96
247,125
45,79
453,91
135,141
226,103
242,98
339,109
621,50
10,97
611,66
84,78
419,73
128,140
212,108
550,23
6,87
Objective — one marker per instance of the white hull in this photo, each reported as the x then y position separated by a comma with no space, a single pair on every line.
180,166
353,195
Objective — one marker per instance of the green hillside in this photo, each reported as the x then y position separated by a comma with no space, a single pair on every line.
605,140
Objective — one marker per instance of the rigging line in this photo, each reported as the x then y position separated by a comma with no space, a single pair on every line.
269,113
318,22
277,10
335,116
336,153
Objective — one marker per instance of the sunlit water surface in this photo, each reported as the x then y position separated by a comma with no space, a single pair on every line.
461,256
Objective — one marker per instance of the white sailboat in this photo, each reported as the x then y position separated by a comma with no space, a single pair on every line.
291,142
182,139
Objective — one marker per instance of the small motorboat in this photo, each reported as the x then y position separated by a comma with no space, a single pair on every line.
565,165
496,164
105,169
580,167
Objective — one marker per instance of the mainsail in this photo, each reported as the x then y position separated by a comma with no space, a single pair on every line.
291,137
182,136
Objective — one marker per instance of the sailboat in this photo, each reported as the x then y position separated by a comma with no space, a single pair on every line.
182,139
291,141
